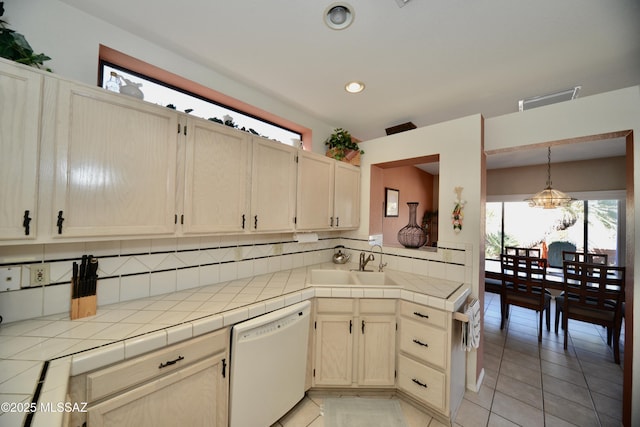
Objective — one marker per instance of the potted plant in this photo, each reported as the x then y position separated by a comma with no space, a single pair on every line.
342,146
15,47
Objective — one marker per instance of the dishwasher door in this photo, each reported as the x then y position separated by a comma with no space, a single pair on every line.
268,366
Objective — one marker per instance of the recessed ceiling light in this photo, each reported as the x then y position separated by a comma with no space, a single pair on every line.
338,16
354,87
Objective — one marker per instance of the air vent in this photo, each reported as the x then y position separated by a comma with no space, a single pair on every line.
551,98
400,128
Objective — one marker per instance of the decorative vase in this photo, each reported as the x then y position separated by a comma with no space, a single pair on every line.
412,235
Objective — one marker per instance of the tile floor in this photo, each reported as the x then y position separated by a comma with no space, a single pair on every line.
525,383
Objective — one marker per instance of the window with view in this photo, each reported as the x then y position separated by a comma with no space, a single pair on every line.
587,225
168,96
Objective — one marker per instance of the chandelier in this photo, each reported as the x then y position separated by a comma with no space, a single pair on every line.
549,198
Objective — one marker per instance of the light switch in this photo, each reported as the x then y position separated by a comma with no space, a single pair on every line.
10,278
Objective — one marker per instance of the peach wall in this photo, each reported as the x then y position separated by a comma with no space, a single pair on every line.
414,185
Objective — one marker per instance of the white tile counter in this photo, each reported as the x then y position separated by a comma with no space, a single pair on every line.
125,330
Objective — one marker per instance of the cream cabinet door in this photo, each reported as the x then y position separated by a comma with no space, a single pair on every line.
217,182
346,208
273,186
315,191
196,395
115,165
20,103
333,350
376,350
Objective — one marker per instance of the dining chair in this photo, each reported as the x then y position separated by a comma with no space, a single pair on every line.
590,258
594,293
523,284
514,250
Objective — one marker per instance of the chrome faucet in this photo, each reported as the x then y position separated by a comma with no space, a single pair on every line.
381,266
364,260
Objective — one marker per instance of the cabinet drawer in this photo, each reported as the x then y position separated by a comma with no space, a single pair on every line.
422,382
423,314
334,305
424,342
140,369
377,306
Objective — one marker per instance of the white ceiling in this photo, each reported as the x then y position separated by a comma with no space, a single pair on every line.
427,62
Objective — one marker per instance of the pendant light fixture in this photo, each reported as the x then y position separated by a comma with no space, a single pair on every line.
549,198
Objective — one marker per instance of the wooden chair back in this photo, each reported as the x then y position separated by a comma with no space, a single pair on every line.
589,258
524,276
593,287
525,252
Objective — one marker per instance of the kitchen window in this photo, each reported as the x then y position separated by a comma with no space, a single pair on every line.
592,225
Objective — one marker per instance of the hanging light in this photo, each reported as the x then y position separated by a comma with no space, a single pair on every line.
549,198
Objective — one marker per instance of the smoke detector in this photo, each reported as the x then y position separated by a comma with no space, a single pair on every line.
338,16
550,98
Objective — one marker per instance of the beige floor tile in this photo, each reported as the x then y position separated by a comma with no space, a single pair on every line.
526,375
483,397
496,420
471,415
553,421
413,416
527,360
567,390
303,414
516,411
521,391
608,406
569,411
563,373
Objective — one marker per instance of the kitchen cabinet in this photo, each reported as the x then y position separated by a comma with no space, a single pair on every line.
184,384
217,182
20,103
328,194
115,165
273,186
346,205
354,343
431,360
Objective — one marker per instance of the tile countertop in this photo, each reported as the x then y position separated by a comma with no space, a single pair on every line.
64,348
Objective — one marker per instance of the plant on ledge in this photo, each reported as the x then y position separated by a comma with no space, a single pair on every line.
15,47
341,144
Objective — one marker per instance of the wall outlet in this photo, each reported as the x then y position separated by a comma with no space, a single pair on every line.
39,275
10,278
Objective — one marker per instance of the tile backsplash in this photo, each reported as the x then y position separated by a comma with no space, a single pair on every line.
132,269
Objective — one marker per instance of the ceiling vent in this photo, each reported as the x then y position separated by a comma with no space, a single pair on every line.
400,128
551,98
401,3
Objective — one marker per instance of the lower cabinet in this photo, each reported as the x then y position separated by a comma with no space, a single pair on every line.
354,343
431,361
184,384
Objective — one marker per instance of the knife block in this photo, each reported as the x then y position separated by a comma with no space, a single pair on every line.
83,306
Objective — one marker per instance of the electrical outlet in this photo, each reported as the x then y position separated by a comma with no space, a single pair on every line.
9,278
39,275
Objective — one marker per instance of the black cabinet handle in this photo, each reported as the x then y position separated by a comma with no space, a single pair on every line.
424,316
59,222
224,368
419,383
420,343
25,223
243,221
331,222
363,326
255,222
337,221
170,362
350,325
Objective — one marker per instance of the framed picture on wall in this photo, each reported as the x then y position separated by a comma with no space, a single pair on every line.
391,198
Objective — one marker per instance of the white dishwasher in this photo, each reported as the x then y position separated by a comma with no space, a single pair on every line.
268,366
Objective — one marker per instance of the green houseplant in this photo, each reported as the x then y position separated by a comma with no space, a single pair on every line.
15,47
341,144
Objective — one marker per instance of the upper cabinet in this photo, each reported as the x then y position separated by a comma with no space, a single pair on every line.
328,193
346,205
315,191
20,107
115,165
81,163
273,188
217,181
